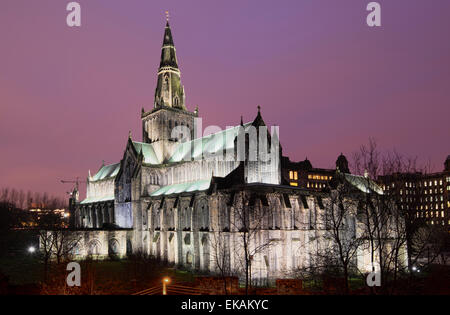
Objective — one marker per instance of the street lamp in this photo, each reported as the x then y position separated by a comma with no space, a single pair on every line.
165,281
31,249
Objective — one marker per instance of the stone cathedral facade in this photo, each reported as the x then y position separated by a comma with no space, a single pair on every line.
183,202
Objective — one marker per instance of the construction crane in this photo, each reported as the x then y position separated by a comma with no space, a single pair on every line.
76,182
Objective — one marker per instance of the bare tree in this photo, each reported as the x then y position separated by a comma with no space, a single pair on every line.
49,242
65,242
341,241
58,246
429,245
25,201
220,244
250,217
391,226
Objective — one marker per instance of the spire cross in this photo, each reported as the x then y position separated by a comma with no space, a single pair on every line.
167,16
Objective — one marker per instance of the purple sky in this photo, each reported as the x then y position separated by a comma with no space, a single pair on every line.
69,96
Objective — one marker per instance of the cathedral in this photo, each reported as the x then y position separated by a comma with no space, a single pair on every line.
203,202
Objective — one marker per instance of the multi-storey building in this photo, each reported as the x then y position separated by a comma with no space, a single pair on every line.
423,196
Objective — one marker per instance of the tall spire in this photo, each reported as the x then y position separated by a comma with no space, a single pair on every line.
169,90
168,54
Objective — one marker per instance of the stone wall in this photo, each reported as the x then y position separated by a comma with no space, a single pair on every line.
101,188
98,244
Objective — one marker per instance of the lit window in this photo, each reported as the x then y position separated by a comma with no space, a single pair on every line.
294,184
291,175
295,175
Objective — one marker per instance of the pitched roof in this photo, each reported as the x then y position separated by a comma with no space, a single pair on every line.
97,199
106,171
211,144
364,184
147,151
199,185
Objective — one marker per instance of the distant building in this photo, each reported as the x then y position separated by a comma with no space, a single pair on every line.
304,175
423,196
39,213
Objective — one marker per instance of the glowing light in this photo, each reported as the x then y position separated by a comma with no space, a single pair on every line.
165,282
31,249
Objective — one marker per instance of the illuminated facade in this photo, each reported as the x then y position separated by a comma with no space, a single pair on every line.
183,201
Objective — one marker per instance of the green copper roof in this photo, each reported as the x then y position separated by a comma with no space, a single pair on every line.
97,199
181,188
364,184
148,152
106,171
220,141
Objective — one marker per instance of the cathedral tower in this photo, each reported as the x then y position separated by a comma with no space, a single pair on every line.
169,90
169,108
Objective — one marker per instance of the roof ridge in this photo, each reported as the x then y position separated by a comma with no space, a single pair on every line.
223,130
111,164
